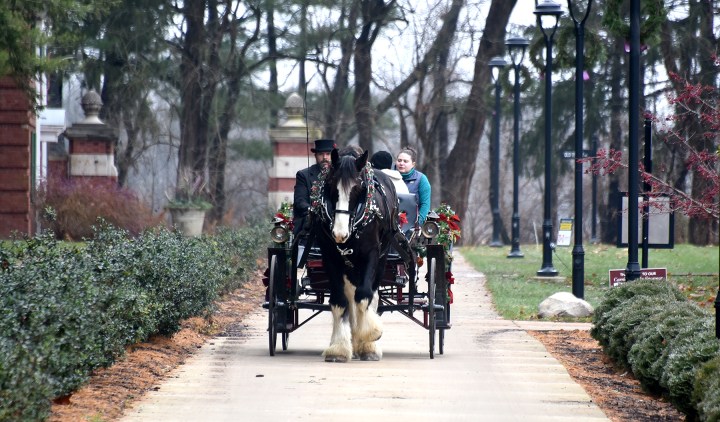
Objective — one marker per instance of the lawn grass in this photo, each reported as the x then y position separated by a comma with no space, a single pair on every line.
517,292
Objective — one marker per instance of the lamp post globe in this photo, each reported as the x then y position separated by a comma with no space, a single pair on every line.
548,16
516,48
496,64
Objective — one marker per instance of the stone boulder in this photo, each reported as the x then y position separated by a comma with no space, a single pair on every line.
564,304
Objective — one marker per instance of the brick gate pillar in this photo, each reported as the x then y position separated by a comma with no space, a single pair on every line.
291,143
92,145
17,129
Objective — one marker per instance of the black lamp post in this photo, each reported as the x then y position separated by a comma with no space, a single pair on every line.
548,15
593,233
632,271
578,253
496,64
516,47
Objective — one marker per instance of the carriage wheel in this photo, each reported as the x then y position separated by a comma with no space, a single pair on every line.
272,329
431,306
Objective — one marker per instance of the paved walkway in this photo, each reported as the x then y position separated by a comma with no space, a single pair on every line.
492,370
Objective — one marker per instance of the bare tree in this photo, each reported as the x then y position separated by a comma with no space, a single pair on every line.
460,164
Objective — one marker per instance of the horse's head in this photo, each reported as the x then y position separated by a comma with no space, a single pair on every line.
346,190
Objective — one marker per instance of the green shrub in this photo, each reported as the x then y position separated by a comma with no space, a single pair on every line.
687,355
70,309
240,247
706,391
652,340
45,323
652,329
624,319
617,295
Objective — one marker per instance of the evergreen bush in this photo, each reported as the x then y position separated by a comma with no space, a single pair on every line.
68,309
687,355
617,295
667,342
624,319
651,341
706,391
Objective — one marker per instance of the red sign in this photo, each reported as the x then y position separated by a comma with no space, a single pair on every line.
618,276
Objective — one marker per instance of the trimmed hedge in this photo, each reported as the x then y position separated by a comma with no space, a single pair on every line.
706,390
68,309
667,342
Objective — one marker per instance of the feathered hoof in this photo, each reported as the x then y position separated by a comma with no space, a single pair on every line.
370,356
337,353
338,359
369,351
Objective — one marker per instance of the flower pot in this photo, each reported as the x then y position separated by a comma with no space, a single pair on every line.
188,221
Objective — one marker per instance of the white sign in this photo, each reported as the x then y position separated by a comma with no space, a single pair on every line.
565,232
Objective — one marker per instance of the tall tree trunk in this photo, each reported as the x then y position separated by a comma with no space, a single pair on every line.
363,78
609,211
191,152
701,228
235,72
460,165
374,14
272,64
340,87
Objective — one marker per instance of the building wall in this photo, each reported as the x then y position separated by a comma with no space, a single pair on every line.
17,128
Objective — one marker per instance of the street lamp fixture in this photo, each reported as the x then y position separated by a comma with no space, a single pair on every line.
516,47
548,16
496,64
578,253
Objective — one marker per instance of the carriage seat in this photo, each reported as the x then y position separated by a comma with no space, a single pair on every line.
409,205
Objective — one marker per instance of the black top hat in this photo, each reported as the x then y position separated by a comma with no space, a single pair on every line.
381,160
323,145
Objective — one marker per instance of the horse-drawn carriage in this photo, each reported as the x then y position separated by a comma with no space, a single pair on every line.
361,258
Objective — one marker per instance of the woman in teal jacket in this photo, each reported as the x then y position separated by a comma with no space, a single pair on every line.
416,181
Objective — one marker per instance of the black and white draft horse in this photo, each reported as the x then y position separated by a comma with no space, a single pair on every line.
358,217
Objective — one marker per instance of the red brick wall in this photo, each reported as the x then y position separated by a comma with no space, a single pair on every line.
78,146
17,124
278,184
292,149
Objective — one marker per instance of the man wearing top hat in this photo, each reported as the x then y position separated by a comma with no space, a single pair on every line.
304,180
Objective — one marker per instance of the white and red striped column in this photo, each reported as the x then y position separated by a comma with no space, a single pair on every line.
291,143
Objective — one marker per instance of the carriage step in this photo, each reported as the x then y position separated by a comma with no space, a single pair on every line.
438,308
419,301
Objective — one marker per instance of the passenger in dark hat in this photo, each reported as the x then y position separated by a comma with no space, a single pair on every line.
382,160
304,180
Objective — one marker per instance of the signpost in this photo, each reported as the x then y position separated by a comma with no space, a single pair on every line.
571,154
617,277
565,232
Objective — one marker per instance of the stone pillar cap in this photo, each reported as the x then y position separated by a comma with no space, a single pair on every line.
91,104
